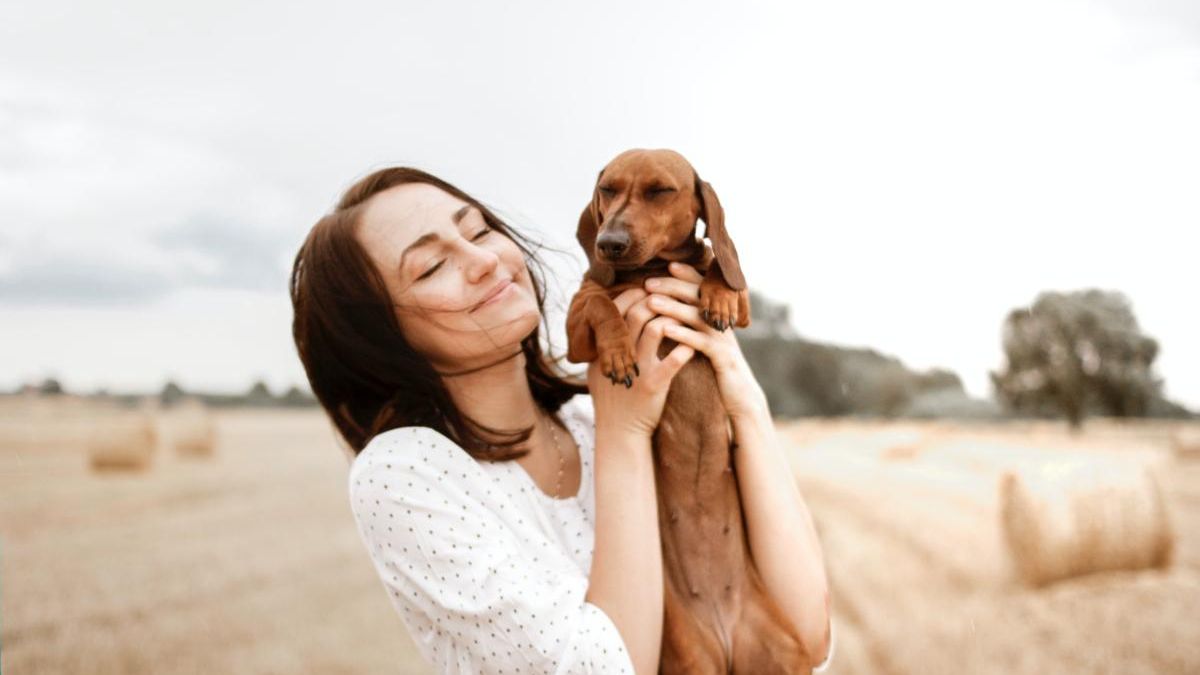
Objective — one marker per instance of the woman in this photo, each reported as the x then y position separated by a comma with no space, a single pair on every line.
475,486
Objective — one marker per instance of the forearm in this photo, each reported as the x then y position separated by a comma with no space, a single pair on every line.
783,539
626,578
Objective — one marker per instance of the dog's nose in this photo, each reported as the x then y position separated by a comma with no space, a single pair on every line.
613,244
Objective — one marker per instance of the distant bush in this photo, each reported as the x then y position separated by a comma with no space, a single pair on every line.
803,378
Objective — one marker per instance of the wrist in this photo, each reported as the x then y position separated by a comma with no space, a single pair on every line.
748,400
752,409
620,436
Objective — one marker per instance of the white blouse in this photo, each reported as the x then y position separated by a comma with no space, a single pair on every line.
487,572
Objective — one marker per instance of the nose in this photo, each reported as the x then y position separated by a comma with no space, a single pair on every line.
481,263
613,244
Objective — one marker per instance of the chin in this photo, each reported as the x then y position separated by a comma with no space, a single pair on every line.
527,323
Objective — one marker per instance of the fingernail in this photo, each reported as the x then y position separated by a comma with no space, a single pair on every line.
652,283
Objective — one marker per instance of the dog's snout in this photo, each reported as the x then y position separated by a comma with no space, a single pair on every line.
614,243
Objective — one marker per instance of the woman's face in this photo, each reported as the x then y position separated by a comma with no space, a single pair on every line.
443,265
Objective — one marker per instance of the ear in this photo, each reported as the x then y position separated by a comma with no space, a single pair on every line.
714,221
585,234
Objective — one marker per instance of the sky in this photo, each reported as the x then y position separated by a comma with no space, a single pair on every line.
901,175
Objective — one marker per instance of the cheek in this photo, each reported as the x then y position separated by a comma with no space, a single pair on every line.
436,297
506,249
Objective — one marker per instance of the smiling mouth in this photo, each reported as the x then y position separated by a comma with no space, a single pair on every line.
500,289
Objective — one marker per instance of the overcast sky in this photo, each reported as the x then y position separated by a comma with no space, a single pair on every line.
901,174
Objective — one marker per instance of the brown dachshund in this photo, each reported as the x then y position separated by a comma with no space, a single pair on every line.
718,617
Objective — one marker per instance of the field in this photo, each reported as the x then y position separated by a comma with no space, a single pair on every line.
247,561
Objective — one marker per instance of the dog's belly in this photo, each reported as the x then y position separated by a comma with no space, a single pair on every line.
705,552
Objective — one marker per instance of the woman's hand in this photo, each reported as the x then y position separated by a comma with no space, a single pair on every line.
637,408
676,296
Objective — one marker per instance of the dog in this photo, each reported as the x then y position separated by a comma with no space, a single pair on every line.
718,616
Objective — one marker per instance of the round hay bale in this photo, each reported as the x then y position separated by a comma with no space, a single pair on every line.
192,430
901,452
1185,443
123,442
1067,518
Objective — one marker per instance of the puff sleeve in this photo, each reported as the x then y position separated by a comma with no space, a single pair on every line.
474,595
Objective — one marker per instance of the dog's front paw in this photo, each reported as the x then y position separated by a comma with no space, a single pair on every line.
719,303
616,359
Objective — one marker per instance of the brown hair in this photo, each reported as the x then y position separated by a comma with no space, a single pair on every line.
363,371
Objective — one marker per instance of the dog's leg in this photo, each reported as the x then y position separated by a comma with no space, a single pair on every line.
762,642
596,330
721,306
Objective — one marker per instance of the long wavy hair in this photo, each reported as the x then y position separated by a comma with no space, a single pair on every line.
363,371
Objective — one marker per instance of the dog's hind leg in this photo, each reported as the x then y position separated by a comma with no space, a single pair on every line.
688,647
763,643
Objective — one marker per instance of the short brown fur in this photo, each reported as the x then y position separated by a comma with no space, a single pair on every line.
718,615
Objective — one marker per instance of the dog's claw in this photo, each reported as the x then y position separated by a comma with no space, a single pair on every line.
636,370
628,382
706,320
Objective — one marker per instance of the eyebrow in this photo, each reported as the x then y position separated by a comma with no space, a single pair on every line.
430,237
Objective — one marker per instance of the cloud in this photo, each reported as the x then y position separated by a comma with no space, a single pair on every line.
227,253
99,210
72,280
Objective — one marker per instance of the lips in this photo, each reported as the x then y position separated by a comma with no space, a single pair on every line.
496,290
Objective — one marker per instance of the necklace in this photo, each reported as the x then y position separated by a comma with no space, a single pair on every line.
561,461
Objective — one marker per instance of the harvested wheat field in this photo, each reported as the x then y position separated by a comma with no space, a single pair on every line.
237,552
243,559
1089,561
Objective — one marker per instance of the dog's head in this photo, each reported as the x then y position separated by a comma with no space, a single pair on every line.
645,205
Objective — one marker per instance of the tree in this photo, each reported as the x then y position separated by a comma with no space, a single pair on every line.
259,394
50,387
171,393
1071,353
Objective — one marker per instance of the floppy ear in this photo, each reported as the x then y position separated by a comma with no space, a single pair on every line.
585,234
714,221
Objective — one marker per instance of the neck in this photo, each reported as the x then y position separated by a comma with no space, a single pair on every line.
496,395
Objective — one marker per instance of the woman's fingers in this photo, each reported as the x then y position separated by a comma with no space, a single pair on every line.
685,272
636,317
684,313
692,338
675,360
627,297
677,288
652,335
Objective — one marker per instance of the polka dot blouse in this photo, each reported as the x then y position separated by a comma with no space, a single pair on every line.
487,572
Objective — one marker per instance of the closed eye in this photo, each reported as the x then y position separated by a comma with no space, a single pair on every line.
656,190
433,269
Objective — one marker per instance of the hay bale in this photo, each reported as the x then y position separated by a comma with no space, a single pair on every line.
1185,443
123,442
903,452
1066,518
192,431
